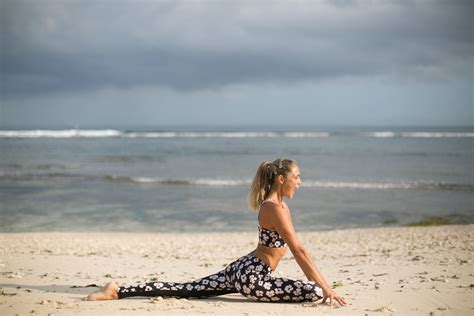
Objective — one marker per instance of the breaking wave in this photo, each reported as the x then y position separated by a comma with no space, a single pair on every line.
74,133
413,185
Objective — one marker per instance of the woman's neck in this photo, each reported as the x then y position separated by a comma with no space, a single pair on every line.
275,197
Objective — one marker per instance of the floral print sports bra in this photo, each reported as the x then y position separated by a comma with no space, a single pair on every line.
270,238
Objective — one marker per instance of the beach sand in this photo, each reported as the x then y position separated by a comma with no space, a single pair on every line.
395,270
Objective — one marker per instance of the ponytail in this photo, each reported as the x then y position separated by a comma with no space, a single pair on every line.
264,178
259,187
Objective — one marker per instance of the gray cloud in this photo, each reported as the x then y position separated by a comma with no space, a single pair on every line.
61,46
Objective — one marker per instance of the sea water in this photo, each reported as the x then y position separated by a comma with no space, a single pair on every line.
196,179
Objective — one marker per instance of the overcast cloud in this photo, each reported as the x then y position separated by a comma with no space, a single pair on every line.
53,49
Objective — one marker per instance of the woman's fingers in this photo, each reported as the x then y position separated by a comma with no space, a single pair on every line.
341,300
325,299
334,298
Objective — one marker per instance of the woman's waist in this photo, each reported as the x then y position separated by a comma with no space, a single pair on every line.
271,256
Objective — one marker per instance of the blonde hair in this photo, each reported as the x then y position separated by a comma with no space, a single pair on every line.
264,179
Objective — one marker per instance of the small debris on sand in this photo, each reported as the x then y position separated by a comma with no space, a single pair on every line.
384,308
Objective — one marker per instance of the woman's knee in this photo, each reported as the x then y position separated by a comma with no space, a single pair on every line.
296,290
312,291
303,290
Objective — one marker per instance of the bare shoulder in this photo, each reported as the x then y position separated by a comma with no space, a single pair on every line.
271,212
277,217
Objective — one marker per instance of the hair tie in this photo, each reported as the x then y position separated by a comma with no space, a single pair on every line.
271,169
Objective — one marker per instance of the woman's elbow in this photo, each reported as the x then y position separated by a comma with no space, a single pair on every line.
298,250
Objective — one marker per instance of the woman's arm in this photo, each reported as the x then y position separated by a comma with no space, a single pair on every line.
284,227
282,222
304,260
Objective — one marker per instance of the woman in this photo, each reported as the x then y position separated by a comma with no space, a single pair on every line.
250,275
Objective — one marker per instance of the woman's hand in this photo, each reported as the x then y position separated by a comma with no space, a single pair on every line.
329,293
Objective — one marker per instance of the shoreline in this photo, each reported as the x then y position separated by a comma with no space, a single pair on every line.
376,269
430,221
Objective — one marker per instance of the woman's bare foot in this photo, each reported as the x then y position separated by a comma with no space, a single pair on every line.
108,292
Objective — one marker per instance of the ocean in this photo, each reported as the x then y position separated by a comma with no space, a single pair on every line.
196,179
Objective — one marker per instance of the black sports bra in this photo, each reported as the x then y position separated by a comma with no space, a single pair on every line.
269,238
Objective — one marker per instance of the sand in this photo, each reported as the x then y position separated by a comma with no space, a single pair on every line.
382,271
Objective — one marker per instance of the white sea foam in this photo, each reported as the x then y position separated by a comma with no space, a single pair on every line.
248,134
202,181
357,185
435,135
418,185
238,182
201,134
306,134
220,182
145,179
115,133
388,134
60,133
380,134
230,134
151,135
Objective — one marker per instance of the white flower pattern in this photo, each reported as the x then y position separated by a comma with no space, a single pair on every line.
248,275
270,238
278,291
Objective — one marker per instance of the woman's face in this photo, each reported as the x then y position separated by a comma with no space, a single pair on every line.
292,182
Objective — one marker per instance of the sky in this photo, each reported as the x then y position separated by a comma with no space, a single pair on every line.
284,63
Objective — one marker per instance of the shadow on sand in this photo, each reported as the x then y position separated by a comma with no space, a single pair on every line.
86,290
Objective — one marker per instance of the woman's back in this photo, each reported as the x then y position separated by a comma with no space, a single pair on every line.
271,246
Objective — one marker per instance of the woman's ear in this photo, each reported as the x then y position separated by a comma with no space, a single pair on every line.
281,179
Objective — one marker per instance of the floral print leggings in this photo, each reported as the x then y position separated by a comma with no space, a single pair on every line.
247,275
